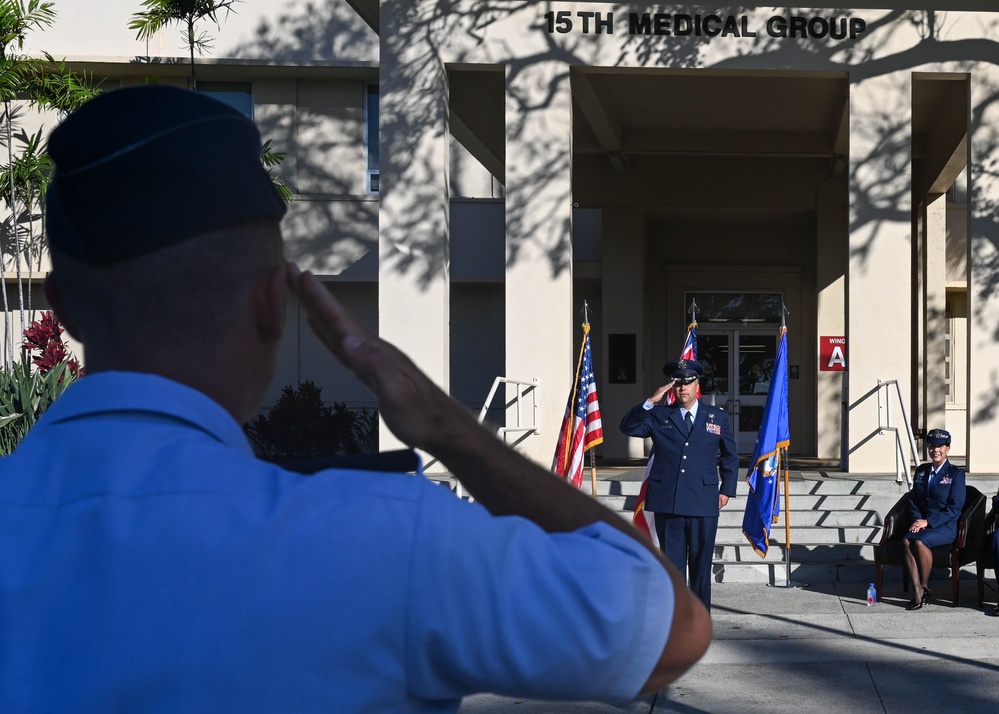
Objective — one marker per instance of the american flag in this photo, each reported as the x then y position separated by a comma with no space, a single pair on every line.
644,520
581,426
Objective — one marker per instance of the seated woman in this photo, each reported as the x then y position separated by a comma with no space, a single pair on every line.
935,502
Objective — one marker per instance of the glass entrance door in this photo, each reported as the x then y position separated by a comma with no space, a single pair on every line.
737,369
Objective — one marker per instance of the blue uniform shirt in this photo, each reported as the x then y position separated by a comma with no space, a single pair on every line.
148,562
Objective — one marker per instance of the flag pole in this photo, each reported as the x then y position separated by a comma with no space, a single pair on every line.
693,320
593,472
692,325
787,522
593,457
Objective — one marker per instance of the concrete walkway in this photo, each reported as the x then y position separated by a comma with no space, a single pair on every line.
821,649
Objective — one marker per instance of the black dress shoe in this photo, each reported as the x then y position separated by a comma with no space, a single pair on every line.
995,611
927,594
915,604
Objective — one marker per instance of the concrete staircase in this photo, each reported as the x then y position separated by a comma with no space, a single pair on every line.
835,524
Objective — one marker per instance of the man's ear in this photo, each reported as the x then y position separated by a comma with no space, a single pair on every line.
269,302
54,295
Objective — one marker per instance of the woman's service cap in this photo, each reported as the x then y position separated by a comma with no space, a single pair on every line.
938,437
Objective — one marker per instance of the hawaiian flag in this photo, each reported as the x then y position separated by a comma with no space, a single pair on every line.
643,520
763,502
581,427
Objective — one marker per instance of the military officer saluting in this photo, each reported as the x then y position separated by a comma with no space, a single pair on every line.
688,483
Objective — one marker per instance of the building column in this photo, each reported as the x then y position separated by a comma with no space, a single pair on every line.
623,297
830,303
413,233
934,313
983,267
539,320
879,318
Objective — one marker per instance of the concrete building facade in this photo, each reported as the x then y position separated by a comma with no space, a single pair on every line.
469,174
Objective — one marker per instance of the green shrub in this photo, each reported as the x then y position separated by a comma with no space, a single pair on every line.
25,393
301,426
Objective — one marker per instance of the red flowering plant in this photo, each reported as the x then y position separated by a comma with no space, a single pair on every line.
44,337
28,388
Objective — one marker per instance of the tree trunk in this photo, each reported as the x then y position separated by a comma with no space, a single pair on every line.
8,332
13,222
190,45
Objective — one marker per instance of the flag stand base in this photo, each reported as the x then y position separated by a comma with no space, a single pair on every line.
788,583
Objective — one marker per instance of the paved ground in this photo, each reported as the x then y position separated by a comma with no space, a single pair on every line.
821,649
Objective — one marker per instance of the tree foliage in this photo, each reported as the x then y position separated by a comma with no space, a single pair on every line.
300,425
159,14
186,13
270,160
43,83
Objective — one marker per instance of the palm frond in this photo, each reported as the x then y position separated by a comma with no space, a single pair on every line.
29,173
51,84
270,159
18,18
161,13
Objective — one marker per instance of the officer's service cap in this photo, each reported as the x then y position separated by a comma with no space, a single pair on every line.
938,437
142,168
683,371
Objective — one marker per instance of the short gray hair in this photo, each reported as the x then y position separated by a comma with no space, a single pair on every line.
181,296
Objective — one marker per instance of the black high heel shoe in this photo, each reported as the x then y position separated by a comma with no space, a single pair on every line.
914,604
927,594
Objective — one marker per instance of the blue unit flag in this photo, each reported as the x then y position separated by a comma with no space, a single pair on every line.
763,503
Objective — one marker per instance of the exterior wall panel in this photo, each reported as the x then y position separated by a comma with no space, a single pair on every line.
852,245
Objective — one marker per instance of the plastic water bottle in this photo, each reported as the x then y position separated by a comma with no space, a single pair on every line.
872,596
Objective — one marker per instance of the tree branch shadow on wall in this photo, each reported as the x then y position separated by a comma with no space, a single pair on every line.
316,31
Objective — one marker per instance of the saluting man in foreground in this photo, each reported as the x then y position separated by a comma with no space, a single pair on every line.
688,439
149,562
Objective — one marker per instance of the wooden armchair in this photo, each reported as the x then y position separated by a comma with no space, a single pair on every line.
967,548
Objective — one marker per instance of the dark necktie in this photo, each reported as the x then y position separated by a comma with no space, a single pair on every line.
689,419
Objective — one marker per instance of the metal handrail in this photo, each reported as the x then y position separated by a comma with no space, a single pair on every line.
532,388
883,424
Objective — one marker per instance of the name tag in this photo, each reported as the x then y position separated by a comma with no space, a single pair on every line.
713,429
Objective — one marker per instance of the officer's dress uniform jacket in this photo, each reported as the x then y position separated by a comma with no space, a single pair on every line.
939,503
686,468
